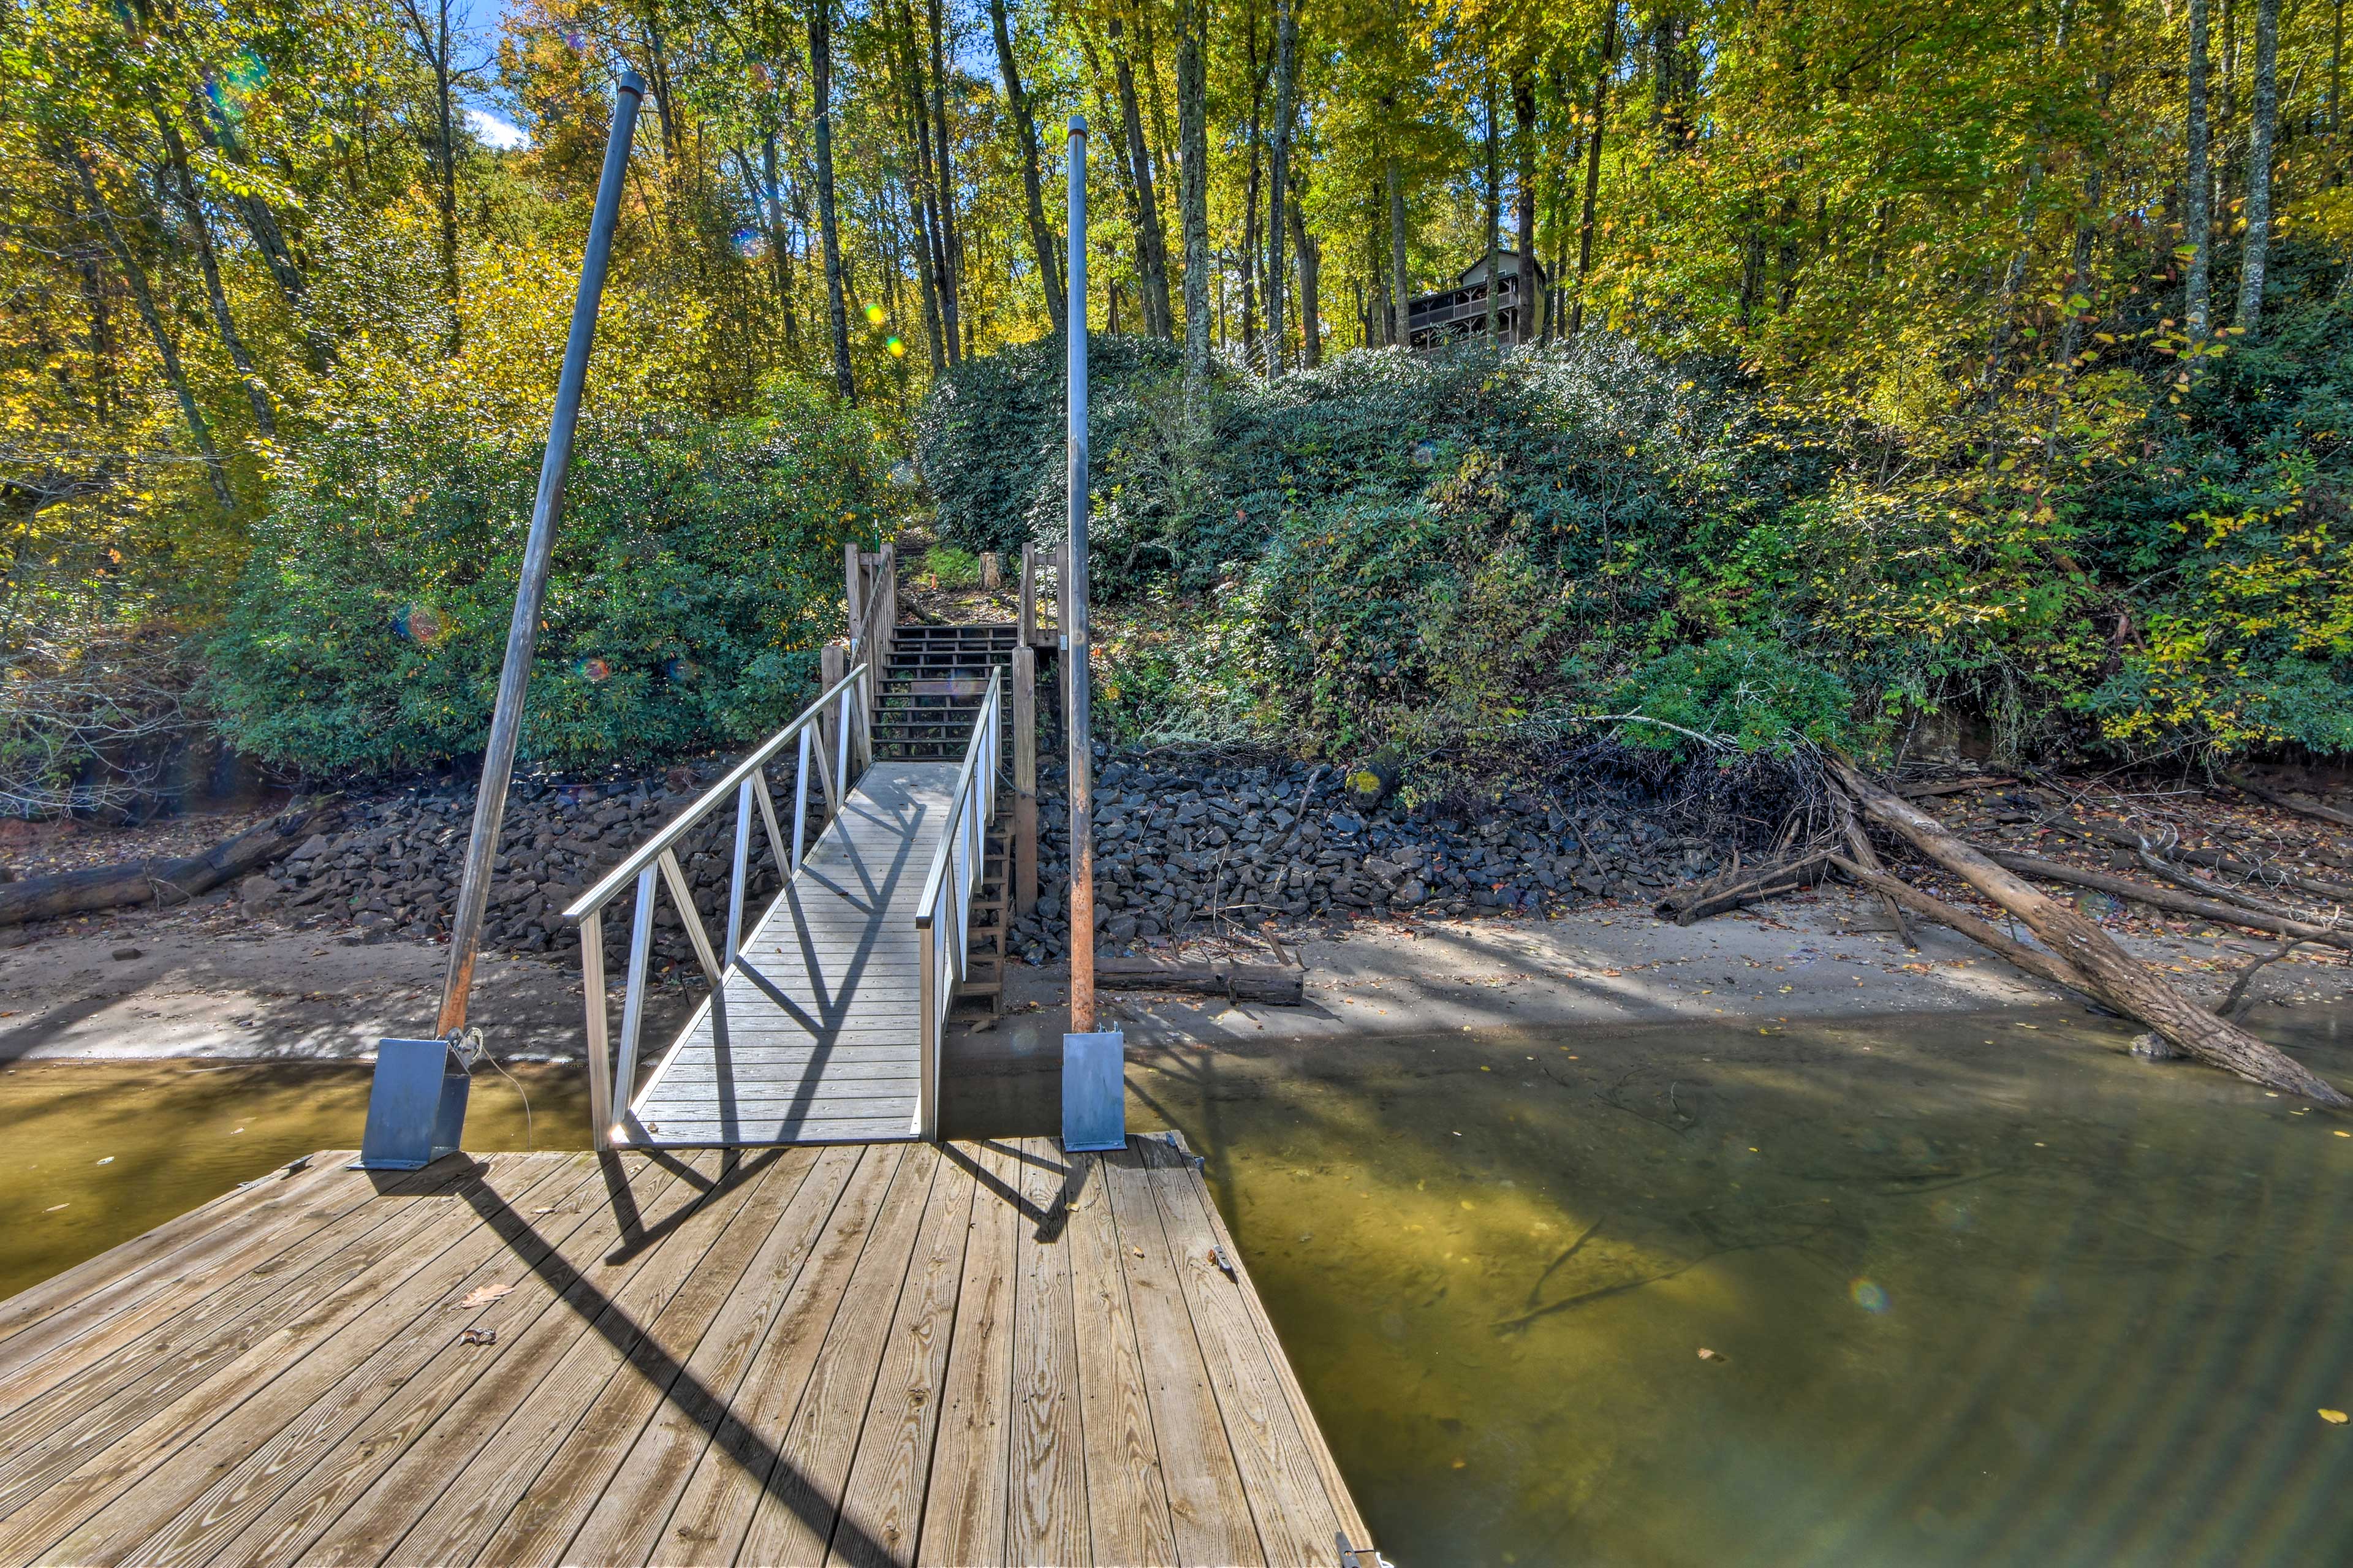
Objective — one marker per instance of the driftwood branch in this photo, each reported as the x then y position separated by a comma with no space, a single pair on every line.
1280,986
158,881
2245,785
2278,925
1697,901
2273,876
2117,979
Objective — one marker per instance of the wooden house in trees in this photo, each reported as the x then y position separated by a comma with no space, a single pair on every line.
1460,310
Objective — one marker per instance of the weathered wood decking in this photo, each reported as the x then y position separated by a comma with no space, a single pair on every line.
813,1037
887,1353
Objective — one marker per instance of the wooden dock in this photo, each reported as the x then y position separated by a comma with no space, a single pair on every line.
881,1353
815,1036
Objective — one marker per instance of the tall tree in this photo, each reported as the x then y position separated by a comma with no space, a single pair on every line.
951,226
431,36
2260,132
1193,178
1286,83
1042,240
821,50
1151,240
199,229
1606,68
2198,187
166,351
1400,326
1524,143
1311,272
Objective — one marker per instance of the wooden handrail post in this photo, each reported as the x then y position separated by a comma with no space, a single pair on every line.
1028,636
833,663
1025,778
854,576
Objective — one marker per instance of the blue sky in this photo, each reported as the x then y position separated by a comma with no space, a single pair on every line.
485,117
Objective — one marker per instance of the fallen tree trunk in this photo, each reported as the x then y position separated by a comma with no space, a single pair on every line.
2118,980
1278,986
2167,899
161,882
1742,884
2318,813
2034,961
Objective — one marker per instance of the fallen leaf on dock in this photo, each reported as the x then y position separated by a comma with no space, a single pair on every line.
2334,1417
482,1336
482,1296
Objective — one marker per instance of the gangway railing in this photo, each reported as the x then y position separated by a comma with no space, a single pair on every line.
654,867
944,913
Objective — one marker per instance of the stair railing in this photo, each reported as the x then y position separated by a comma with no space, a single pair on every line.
654,867
944,912
872,637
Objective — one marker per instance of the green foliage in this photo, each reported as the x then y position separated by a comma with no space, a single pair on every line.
695,576
952,567
1761,696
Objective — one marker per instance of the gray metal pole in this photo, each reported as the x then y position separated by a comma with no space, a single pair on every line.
1074,611
523,633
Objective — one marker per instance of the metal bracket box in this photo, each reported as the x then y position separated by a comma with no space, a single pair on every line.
416,1107
1095,1092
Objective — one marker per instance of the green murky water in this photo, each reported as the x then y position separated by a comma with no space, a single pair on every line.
1974,1292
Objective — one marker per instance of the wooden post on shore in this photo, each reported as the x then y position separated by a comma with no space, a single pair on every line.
1028,635
1024,779
992,575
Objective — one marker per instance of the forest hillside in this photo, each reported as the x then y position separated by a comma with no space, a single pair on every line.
1885,363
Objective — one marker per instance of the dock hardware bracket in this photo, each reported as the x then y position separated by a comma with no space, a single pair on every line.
1358,1556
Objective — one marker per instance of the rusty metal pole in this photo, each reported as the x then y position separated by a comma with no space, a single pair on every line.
539,547
1074,611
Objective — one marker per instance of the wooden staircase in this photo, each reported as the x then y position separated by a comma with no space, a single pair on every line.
931,692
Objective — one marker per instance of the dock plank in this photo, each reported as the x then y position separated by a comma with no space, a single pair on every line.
180,1509
627,1517
739,1467
396,1464
473,1503
964,1517
1050,1522
890,1474
887,1352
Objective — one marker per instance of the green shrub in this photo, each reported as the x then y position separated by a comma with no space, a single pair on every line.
696,574
955,568
1761,696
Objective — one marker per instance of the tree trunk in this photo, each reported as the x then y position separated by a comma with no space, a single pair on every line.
1901,894
935,266
2198,182
1523,135
1193,179
944,201
166,350
2119,980
1311,273
1151,242
192,210
1042,239
1401,323
820,41
1250,252
2260,132
158,881
1494,224
1593,165
1286,40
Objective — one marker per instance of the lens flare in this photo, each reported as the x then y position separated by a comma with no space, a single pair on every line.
749,245
898,350
1424,453
681,670
874,314
592,669
1871,1297
419,624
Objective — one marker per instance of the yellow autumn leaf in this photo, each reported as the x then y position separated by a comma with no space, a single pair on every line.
2334,1417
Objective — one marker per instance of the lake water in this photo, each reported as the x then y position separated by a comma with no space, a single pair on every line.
1973,1290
